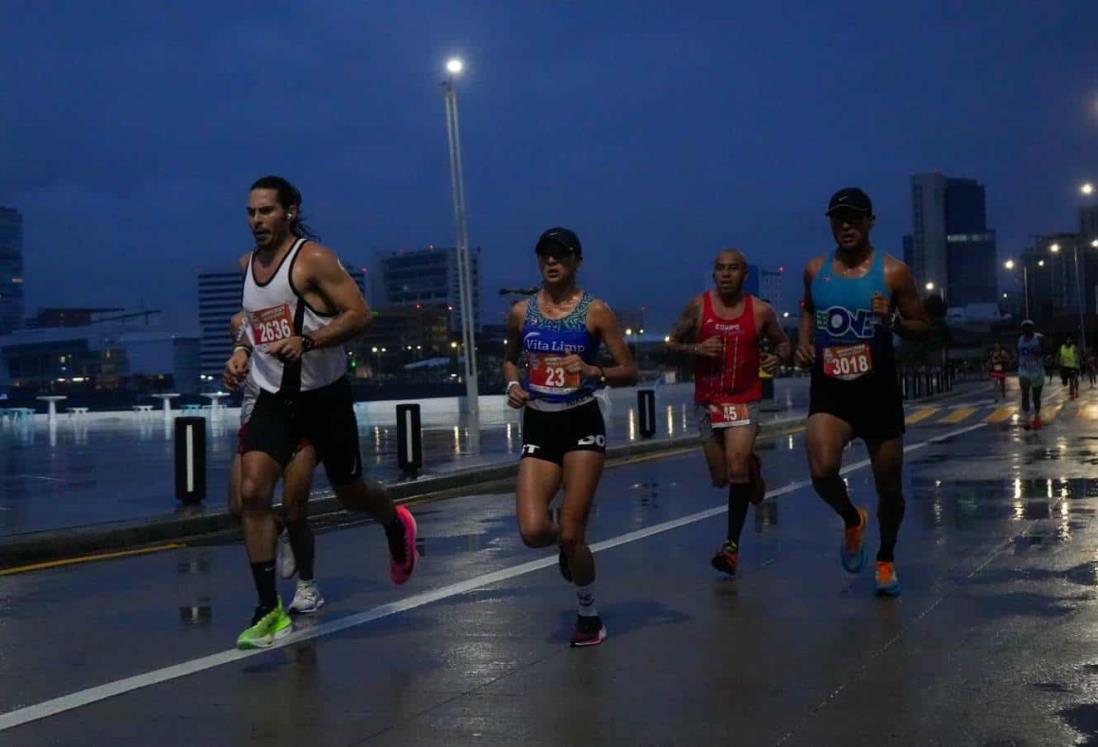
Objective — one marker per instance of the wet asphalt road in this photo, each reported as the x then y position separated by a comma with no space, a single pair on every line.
994,641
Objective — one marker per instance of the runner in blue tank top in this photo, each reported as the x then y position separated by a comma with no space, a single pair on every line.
847,322
558,331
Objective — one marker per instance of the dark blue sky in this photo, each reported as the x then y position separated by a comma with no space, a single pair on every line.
658,131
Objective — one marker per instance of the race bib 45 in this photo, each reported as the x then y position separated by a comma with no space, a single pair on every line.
729,414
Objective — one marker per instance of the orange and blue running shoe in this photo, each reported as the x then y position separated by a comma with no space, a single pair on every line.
888,583
852,549
727,558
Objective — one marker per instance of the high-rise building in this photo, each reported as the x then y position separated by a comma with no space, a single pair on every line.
219,295
951,245
425,277
1056,286
772,289
1088,223
11,270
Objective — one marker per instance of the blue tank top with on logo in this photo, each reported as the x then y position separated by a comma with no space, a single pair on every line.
850,342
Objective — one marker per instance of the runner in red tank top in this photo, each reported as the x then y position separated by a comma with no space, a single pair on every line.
722,329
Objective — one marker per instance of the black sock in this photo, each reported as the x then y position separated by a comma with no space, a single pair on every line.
851,517
738,498
394,532
264,576
833,490
890,512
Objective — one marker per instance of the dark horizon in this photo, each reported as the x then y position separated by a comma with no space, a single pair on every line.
658,135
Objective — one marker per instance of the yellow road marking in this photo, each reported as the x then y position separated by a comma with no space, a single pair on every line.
1088,412
1048,414
1001,414
87,559
920,415
958,415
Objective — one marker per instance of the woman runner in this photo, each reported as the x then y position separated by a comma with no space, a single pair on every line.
559,329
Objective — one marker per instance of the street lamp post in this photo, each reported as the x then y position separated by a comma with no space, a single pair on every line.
1055,249
1009,264
465,284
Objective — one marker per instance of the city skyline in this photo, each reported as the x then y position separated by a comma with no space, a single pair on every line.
654,143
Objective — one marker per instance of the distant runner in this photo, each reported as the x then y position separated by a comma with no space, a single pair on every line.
1031,373
997,364
1069,367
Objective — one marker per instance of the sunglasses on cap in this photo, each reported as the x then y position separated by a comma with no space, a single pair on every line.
847,216
555,250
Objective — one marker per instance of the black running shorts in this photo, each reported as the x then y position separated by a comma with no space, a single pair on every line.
550,434
872,405
324,417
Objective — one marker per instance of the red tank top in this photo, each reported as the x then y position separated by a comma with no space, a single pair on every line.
734,376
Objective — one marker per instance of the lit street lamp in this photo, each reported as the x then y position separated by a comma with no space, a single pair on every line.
930,285
465,277
1087,189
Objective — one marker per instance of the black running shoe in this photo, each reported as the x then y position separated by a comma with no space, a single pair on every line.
589,632
562,563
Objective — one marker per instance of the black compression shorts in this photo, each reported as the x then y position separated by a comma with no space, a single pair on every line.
872,406
550,434
324,417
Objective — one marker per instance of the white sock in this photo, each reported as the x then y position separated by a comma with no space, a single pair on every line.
585,595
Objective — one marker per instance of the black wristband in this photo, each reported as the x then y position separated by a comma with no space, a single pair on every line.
307,344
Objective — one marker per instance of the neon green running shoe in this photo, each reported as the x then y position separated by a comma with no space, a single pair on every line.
267,627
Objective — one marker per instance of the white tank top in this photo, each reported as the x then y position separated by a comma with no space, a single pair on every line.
275,311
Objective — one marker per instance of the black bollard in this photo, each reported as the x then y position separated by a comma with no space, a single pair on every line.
646,409
409,438
190,460
767,387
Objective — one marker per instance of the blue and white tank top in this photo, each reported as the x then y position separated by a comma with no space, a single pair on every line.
546,342
850,342
1031,356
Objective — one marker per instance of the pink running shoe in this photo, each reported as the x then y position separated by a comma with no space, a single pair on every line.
401,571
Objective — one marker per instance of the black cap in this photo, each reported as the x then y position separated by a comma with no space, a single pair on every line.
560,237
850,198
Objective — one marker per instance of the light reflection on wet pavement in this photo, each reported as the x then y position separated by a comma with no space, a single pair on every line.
994,642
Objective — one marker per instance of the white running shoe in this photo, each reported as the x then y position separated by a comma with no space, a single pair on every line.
287,564
307,599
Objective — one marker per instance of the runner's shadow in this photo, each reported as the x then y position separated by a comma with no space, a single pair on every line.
623,618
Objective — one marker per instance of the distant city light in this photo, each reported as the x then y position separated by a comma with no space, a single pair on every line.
930,286
1055,248
667,338
1009,264
454,66
1094,243
628,331
1040,263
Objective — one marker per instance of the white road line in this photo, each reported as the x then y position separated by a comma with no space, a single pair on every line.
54,706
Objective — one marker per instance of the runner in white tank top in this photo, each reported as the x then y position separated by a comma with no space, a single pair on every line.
301,307
275,313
